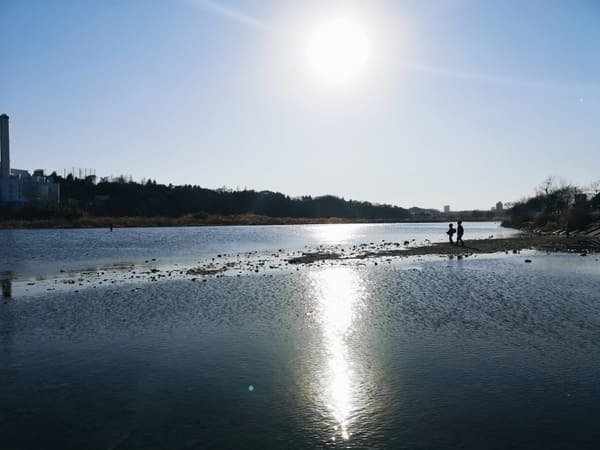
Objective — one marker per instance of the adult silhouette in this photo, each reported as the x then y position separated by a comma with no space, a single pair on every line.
459,234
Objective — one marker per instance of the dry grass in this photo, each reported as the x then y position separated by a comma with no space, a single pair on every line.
191,220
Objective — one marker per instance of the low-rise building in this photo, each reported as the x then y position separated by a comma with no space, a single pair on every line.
18,186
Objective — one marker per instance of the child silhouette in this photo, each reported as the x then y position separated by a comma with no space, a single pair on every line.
450,233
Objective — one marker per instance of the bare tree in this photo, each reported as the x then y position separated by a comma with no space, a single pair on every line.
550,185
547,187
556,193
563,196
546,191
595,187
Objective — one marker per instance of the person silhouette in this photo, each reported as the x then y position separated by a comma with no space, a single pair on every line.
450,233
459,234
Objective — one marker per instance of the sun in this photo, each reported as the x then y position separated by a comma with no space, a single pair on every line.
338,50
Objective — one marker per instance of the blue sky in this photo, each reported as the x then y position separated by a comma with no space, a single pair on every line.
460,102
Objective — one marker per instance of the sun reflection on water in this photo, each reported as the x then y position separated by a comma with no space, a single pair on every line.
332,234
340,294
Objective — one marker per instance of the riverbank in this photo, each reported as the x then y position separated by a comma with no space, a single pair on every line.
545,243
193,220
117,270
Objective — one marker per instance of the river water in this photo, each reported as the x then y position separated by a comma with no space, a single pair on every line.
44,252
478,352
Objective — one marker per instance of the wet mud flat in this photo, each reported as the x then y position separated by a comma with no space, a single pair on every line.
544,243
281,261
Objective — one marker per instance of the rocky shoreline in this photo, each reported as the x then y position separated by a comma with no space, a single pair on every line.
268,263
546,243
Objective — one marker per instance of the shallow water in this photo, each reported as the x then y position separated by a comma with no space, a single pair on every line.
35,253
481,352
439,354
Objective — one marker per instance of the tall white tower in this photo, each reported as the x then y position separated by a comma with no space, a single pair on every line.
4,159
4,147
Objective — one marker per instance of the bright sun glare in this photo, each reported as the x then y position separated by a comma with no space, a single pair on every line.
338,50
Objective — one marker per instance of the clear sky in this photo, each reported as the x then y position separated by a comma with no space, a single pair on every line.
452,102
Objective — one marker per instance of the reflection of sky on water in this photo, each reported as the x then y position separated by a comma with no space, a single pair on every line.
339,295
332,234
33,253
451,355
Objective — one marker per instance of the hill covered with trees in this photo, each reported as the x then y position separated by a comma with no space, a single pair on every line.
120,197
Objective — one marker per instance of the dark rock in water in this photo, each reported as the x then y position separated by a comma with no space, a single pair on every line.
308,258
583,254
205,271
527,260
406,242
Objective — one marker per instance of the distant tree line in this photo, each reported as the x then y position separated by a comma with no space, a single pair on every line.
558,204
122,196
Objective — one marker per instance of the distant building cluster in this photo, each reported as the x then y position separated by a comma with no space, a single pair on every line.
498,207
446,209
19,187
